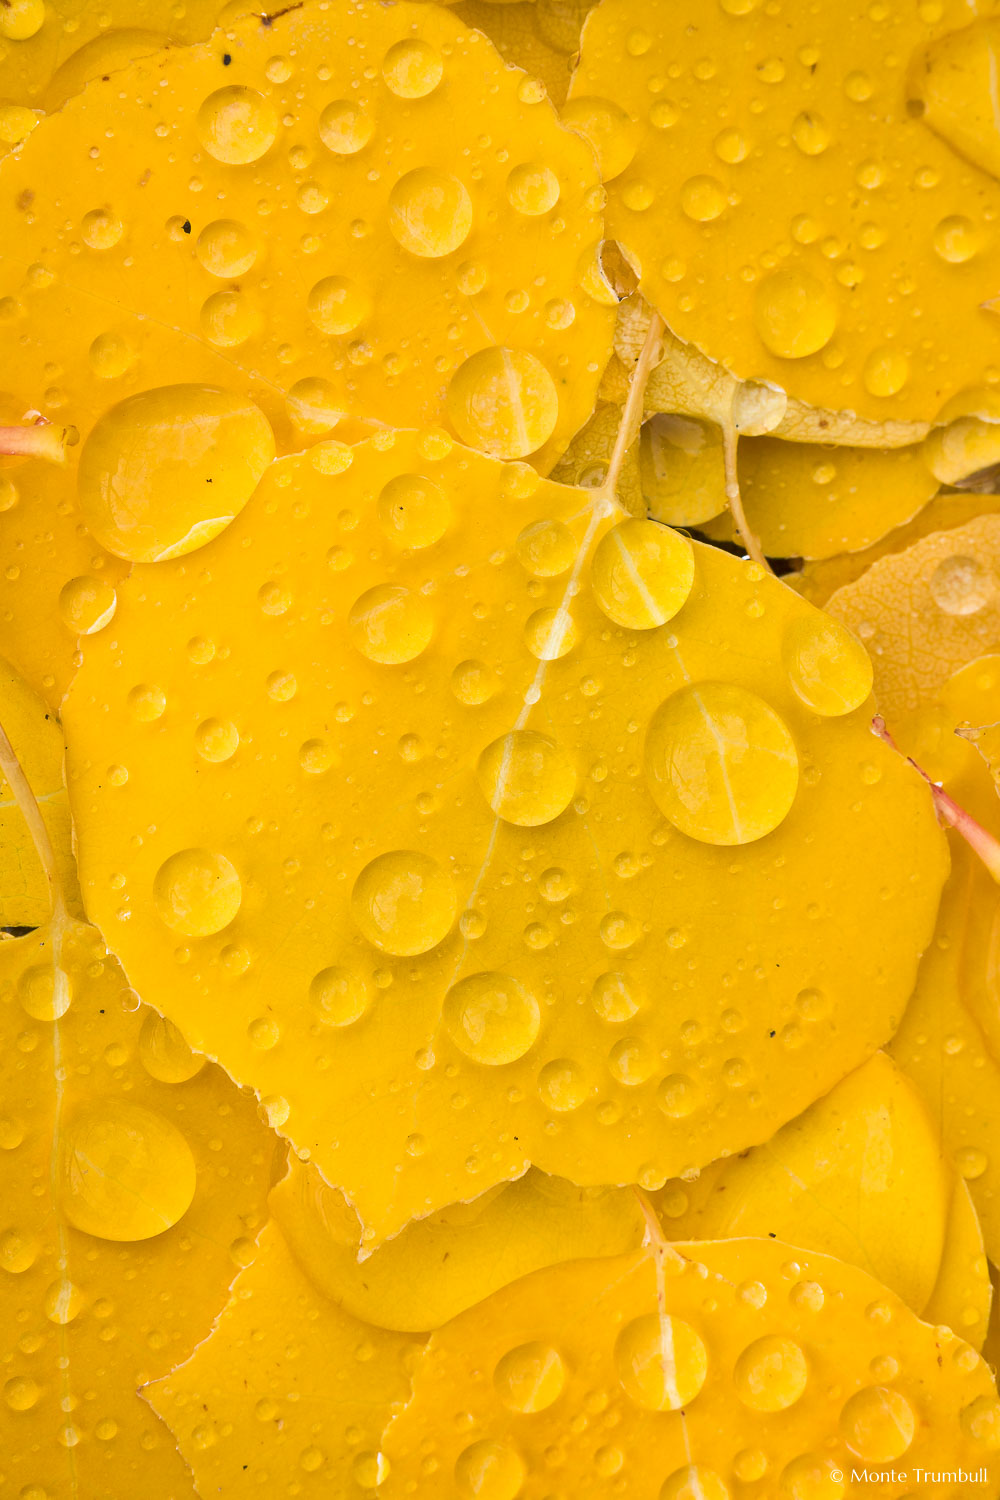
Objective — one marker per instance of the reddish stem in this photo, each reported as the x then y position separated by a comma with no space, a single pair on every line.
38,440
978,838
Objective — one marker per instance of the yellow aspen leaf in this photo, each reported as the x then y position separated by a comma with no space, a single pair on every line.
949,1040
289,1394
963,1293
859,1176
480,244
437,1267
819,580
53,50
808,500
926,611
159,1171
695,1373
25,898
476,816
135,1181
862,286
336,248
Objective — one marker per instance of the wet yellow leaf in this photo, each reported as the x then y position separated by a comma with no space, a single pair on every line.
795,214
25,898
290,1393
734,1363
819,580
337,247
135,1179
807,500
59,46
479,827
858,1176
949,1041
926,611
439,1266
963,1294
158,1169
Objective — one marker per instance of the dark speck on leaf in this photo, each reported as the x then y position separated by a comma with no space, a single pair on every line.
186,226
226,59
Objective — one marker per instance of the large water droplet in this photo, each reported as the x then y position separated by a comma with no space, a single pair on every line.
391,624
21,19
125,1173
661,1362
642,574
526,778
337,305
413,511
340,997
412,69
237,125
720,763
492,1018
164,1053
164,471
878,1424
828,668
546,549
794,313
885,372
20,1393
561,1085
87,604
530,1377
404,902
503,401
18,1250
694,1482
771,1374
488,1470
961,586
197,892
550,633
532,189
216,740
345,128
614,997
45,992
703,198
430,213
980,1421
226,248
811,1476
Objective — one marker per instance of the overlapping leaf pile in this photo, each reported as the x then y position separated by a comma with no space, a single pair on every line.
485,1016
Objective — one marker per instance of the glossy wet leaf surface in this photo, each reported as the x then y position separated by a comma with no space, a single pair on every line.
471,951
532,866
386,238
135,1182
741,1362
752,125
